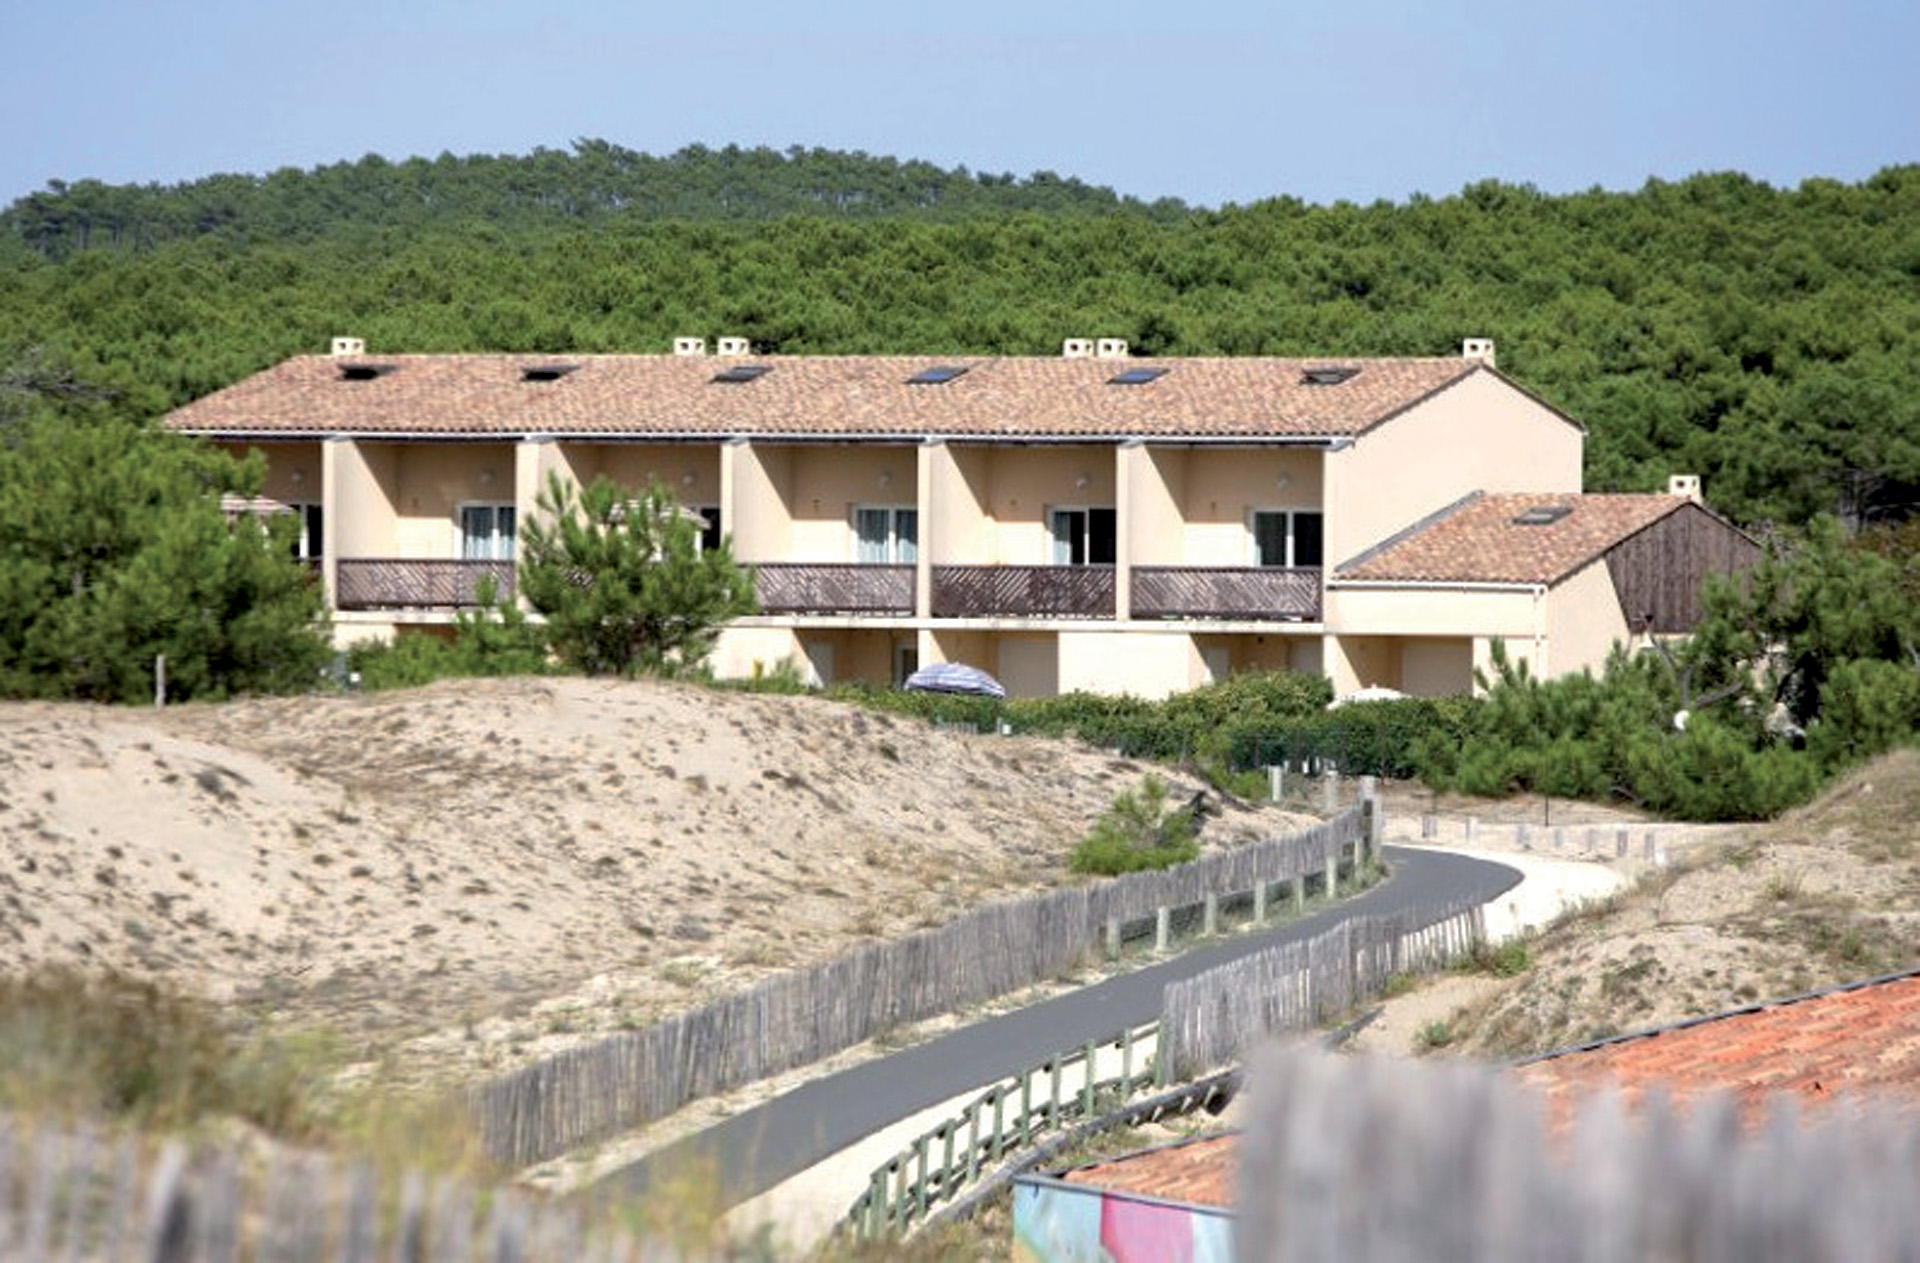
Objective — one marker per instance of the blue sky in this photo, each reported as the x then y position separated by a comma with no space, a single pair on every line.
1208,100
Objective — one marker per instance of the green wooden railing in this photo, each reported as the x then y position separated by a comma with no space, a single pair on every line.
1003,1120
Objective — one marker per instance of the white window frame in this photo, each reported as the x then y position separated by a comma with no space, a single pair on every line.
498,547
1292,515
899,548
1054,541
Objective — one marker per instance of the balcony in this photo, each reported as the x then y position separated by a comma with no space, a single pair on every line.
1269,593
1023,592
393,584
802,588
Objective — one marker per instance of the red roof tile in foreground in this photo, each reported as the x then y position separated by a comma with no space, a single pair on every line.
1858,1043
1863,1039
1196,1172
816,396
1486,539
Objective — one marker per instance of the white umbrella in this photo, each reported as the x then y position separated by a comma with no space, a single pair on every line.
954,677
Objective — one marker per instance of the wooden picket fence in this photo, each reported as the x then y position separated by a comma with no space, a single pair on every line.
1367,1160
1212,1018
586,1094
72,1192
1003,1120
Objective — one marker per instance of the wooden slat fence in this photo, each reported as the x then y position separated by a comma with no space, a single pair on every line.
1211,1019
1267,592
1008,1117
588,1093
1367,1160
1023,591
72,1192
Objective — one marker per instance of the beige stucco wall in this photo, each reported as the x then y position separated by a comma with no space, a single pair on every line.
1029,665
1257,652
754,482
1372,626
825,483
1145,664
1479,435
1583,621
1152,482
293,473
402,499
1225,486
691,471
955,528
740,650
362,500
1025,482
1436,666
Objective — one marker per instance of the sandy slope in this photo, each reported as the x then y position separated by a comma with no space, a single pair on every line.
512,863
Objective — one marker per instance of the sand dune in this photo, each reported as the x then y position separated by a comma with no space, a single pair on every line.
462,876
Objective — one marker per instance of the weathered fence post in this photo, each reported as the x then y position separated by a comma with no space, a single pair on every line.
1087,1085
1260,903
1299,893
1113,937
159,679
1162,929
1521,838
1210,920
1429,825
1473,827
1276,783
1333,870
1330,792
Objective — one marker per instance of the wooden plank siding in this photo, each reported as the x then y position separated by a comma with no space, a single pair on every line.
1659,572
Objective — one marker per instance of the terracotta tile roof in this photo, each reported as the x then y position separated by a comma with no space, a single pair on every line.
1860,1043
1863,1038
1479,540
1196,1172
823,396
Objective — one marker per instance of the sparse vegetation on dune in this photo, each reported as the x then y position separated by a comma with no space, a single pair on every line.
1827,894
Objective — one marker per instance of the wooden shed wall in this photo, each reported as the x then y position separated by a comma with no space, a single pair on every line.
1659,572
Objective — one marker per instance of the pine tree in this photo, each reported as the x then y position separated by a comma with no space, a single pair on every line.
623,581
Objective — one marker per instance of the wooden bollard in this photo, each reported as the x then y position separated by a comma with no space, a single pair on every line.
1162,929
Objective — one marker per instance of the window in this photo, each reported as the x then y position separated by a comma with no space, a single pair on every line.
938,375
886,534
1083,537
486,532
739,374
711,532
1136,376
310,545
1284,537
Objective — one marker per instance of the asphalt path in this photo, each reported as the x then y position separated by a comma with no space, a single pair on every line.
758,1148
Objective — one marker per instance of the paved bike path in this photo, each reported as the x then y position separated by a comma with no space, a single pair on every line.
760,1147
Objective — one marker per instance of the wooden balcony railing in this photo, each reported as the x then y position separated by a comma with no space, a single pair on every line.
1236,592
1023,592
803,588
396,584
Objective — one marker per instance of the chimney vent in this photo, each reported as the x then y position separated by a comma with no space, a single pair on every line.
349,346
735,346
1687,485
689,346
1077,349
1478,349
1111,349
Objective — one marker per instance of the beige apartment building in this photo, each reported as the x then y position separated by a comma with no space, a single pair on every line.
1091,521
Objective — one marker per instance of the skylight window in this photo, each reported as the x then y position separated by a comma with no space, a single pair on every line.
1328,375
1543,515
546,372
938,375
738,373
364,372
1136,376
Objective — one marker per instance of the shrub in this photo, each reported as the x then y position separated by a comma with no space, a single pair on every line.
1137,832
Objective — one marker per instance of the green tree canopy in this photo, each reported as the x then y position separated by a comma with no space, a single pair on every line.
623,581
114,549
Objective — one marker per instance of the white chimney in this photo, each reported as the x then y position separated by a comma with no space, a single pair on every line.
689,346
1687,485
349,346
1478,349
735,346
1077,349
1111,349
